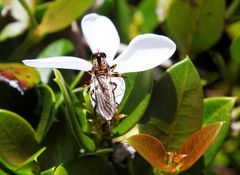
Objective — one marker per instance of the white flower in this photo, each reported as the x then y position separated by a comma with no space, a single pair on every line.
143,53
20,15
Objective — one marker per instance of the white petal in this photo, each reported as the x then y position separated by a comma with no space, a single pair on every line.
120,90
101,35
144,52
63,62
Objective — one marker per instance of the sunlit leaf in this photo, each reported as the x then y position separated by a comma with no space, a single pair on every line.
150,148
86,166
82,139
48,172
233,30
198,143
17,139
196,25
19,76
60,14
177,102
135,101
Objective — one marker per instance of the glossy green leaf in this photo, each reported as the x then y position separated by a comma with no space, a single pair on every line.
136,99
60,14
17,139
198,143
19,76
215,110
196,25
87,166
177,102
234,49
47,113
82,139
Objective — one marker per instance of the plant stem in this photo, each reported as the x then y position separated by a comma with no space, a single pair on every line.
76,80
33,22
98,152
232,8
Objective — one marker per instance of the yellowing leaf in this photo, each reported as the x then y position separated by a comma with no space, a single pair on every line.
198,143
60,14
18,76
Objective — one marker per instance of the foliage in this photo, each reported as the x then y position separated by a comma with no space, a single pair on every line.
181,110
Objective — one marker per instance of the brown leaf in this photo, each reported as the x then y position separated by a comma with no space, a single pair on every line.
198,143
150,148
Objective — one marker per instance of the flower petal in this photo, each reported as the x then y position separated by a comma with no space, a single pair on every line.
144,52
120,90
63,62
101,35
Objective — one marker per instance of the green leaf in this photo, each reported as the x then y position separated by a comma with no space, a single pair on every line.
60,143
145,18
33,157
87,166
48,111
60,14
17,139
149,18
136,99
122,14
19,76
234,49
233,30
177,102
196,25
48,172
82,139
59,47
217,109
